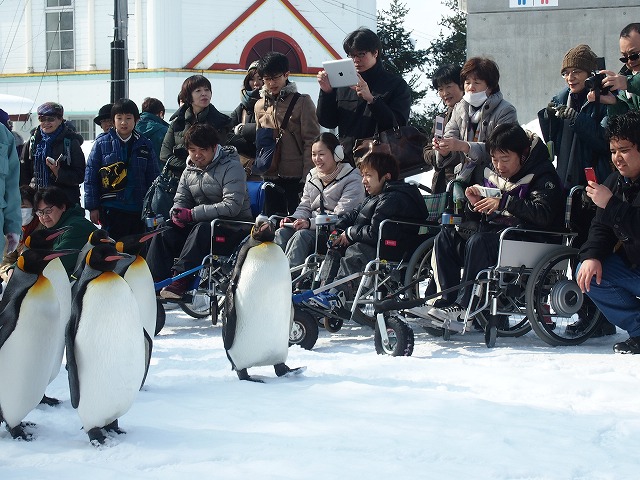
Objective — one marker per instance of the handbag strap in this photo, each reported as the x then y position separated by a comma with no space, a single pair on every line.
287,114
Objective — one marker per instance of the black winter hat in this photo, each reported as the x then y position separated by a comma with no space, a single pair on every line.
103,114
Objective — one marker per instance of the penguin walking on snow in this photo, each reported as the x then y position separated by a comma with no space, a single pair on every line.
28,338
57,275
258,308
105,345
136,273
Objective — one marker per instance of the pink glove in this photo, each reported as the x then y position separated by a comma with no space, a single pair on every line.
12,241
181,216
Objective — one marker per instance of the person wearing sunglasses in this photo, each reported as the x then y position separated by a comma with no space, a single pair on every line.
574,127
626,82
53,156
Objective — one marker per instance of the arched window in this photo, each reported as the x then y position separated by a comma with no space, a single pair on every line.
273,44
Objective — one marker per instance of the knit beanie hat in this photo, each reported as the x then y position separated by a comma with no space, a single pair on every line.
581,57
51,109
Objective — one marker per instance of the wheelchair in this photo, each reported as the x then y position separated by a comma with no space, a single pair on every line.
531,286
402,251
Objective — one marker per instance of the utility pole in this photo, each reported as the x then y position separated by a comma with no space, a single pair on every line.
119,56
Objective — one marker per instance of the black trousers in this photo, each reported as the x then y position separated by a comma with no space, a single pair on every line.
178,249
453,253
119,223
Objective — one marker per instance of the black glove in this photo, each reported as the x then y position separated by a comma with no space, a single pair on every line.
566,112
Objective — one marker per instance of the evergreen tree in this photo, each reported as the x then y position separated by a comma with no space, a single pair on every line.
449,47
399,52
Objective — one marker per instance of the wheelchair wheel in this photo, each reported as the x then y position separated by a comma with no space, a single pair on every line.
332,325
400,338
304,330
554,300
199,304
419,268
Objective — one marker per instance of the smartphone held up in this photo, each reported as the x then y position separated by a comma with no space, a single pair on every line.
590,173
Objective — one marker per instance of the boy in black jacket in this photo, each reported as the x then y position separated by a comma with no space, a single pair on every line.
387,198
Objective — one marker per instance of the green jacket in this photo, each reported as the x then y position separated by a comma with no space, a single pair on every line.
75,237
154,128
623,102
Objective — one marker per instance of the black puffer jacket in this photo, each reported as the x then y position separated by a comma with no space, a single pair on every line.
354,118
619,221
533,197
174,137
398,200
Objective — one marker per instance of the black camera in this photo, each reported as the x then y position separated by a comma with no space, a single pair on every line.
180,152
594,82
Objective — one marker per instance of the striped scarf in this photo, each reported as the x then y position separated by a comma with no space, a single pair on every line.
41,171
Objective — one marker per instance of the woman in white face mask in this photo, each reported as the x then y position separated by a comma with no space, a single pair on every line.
474,117
30,223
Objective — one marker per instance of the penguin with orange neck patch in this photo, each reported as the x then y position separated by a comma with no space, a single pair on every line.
28,338
259,336
105,345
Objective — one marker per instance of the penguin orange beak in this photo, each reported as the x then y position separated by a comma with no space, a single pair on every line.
153,233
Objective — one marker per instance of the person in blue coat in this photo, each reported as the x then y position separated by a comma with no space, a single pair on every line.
120,169
10,217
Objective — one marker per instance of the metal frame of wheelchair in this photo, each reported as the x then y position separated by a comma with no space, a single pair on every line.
531,286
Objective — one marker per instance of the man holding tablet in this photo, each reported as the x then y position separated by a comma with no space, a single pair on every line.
378,101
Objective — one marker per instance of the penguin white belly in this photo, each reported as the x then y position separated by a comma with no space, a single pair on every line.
26,356
263,308
58,277
109,351
139,278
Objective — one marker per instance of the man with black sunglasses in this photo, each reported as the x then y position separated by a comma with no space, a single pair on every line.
626,81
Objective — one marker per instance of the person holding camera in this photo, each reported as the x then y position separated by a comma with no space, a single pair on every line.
575,127
625,84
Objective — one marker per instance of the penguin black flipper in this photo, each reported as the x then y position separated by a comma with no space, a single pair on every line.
88,274
12,300
148,349
229,318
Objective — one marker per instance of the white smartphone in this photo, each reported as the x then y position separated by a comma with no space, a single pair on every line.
438,126
488,192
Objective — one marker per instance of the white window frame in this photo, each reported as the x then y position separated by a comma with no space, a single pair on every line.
57,36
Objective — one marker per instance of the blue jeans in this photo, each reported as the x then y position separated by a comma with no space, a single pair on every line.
617,294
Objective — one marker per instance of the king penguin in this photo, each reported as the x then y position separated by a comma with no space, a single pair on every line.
57,275
28,338
259,336
136,273
105,345
95,238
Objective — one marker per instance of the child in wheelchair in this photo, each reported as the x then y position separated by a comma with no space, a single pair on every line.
354,241
525,190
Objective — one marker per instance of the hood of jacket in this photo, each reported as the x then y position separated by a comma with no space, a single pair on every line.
288,89
223,155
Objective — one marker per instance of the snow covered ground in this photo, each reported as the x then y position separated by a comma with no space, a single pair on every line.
522,410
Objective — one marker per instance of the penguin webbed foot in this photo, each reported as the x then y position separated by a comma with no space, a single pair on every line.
97,437
113,427
282,370
244,375
50,401
19,433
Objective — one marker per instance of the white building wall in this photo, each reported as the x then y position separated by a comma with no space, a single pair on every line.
172,33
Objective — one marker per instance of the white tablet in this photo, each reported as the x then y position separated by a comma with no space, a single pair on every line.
342,73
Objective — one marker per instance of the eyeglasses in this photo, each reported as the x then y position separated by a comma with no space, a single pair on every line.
271,79
359,55
632,56
45,211
575,71
47,119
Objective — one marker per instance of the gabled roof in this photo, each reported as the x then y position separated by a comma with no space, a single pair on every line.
252,10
